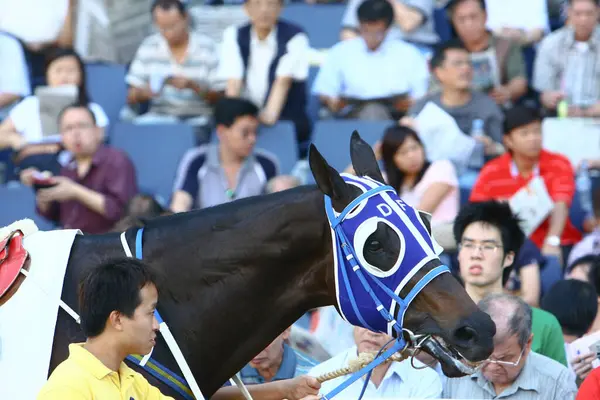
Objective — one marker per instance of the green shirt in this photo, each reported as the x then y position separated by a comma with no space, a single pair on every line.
547,336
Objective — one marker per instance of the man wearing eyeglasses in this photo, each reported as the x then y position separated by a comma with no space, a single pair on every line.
95,183
513,371
489,237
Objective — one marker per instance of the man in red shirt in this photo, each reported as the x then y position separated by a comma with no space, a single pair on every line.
525,160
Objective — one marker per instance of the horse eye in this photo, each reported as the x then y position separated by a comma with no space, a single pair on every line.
374,245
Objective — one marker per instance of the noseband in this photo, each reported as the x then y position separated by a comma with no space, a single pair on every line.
369,285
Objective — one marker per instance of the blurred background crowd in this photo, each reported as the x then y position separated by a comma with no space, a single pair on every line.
113,112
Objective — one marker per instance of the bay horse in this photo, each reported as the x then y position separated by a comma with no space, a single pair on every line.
236,275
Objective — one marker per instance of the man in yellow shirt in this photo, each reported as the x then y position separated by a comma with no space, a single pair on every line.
117,300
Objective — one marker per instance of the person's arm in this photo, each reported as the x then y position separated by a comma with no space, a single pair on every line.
516,73
120,187
48,209
138,76
9,137
290,389
7,99
186,181
182,201
433,196
90,199
293,66
562,190
276,100
411,16
558,220
65,37
517,87
530,283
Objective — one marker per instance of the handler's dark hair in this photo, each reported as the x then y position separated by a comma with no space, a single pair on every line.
111,286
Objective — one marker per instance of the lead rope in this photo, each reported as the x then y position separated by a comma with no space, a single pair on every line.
357,364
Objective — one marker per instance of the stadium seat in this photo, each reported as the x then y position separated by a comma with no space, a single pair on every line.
332,138
18,202
106,87
322,22
155,151
279,139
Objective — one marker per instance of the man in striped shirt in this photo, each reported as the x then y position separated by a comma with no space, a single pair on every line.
504,176
567,66
174,69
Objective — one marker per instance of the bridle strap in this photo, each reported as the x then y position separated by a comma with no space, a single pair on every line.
345,252
335,221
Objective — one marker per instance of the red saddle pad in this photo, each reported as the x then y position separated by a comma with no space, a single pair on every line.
12,258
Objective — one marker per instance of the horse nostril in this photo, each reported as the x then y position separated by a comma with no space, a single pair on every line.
465,334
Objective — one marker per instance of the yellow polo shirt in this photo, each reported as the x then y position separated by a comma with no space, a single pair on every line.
83,376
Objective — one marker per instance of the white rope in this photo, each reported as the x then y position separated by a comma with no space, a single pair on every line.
61,303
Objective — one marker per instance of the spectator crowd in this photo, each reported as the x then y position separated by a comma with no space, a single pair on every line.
463,96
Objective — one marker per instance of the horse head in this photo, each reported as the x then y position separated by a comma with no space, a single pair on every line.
388,274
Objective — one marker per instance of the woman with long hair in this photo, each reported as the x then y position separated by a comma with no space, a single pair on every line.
429,186
22,131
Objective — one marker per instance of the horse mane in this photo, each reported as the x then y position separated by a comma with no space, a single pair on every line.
214,223
27,226
225,216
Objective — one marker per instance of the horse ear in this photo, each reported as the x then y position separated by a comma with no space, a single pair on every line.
328,180
363,158
426,218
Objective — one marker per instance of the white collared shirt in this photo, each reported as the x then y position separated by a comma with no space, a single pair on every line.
352,70
401,381
294,64
154,63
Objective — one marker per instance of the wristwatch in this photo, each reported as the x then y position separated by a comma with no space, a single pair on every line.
553,241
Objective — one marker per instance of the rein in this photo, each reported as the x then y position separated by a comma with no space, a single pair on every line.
346,255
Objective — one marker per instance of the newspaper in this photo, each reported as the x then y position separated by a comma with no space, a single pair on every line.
52,101
485,70
442,138
586,344
532,204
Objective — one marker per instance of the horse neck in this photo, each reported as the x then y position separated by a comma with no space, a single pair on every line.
240,275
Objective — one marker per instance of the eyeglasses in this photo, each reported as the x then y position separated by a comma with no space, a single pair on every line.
506,363
77,126
487,248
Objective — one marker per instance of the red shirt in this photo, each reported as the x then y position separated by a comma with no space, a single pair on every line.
499,180
590,388
112,174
